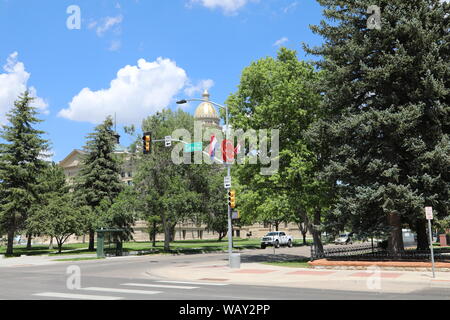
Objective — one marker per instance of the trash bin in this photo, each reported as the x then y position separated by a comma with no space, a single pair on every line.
235,261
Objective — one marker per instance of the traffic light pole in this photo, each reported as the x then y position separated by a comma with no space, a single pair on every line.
228,165
230,227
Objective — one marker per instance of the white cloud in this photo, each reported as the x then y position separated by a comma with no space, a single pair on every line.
105,24
115,45
280,42
136,92
228,6
291,7
191,89
13,83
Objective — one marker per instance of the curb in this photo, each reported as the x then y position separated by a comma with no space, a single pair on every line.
380,267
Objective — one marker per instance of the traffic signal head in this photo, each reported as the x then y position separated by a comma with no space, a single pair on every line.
232,199
147,142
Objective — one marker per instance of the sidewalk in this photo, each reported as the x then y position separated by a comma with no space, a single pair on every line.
268,275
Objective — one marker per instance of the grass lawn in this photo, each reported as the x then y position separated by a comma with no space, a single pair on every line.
182,246
290,264
79,259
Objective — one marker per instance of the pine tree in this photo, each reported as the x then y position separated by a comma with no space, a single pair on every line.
99,179
387,103
51,184
20,165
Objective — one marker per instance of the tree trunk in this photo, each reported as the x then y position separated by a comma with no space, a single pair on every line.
395,240
304,238
277,224
166,226
91,240
9,249
422,237
60,243
318,246
50,246
154,235
29,241
303,230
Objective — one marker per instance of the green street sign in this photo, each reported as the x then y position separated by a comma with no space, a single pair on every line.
193,147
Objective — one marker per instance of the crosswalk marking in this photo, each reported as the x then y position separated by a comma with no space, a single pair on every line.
158,286
196,283
75,296
120,290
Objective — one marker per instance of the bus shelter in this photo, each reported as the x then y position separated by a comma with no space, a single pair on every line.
109,242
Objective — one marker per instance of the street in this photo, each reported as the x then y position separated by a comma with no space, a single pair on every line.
131,278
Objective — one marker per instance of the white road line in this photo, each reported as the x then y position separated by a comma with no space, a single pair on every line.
75,296
157,286
196,283
120,290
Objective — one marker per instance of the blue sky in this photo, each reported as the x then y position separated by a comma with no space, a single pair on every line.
134,57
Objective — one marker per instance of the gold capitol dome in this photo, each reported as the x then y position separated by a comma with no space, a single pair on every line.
206,113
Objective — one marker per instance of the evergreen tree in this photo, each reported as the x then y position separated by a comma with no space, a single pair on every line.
386,100
99,179
51,183
20,165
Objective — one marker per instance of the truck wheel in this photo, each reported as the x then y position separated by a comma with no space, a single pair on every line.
277,244
263,246
290,244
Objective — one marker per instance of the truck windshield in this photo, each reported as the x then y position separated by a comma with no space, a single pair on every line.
272,234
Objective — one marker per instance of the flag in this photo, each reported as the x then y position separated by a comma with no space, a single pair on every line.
213,147
237,150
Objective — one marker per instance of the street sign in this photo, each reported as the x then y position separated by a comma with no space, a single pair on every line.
227,182
168,141
429,213
193,147
235,215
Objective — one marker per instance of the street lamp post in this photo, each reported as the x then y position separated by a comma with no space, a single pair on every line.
228,165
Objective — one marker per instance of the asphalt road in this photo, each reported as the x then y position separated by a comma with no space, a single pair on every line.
127,278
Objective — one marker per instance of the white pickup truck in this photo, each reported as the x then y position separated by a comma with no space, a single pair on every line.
276,239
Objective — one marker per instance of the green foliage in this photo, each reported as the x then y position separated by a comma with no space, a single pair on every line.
20,165
121,214
386,107
98,183
215,201
59,218
51,184
171,192
278,93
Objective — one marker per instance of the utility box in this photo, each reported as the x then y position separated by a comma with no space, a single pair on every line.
235,261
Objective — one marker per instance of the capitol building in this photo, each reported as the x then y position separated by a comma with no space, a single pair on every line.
208,116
